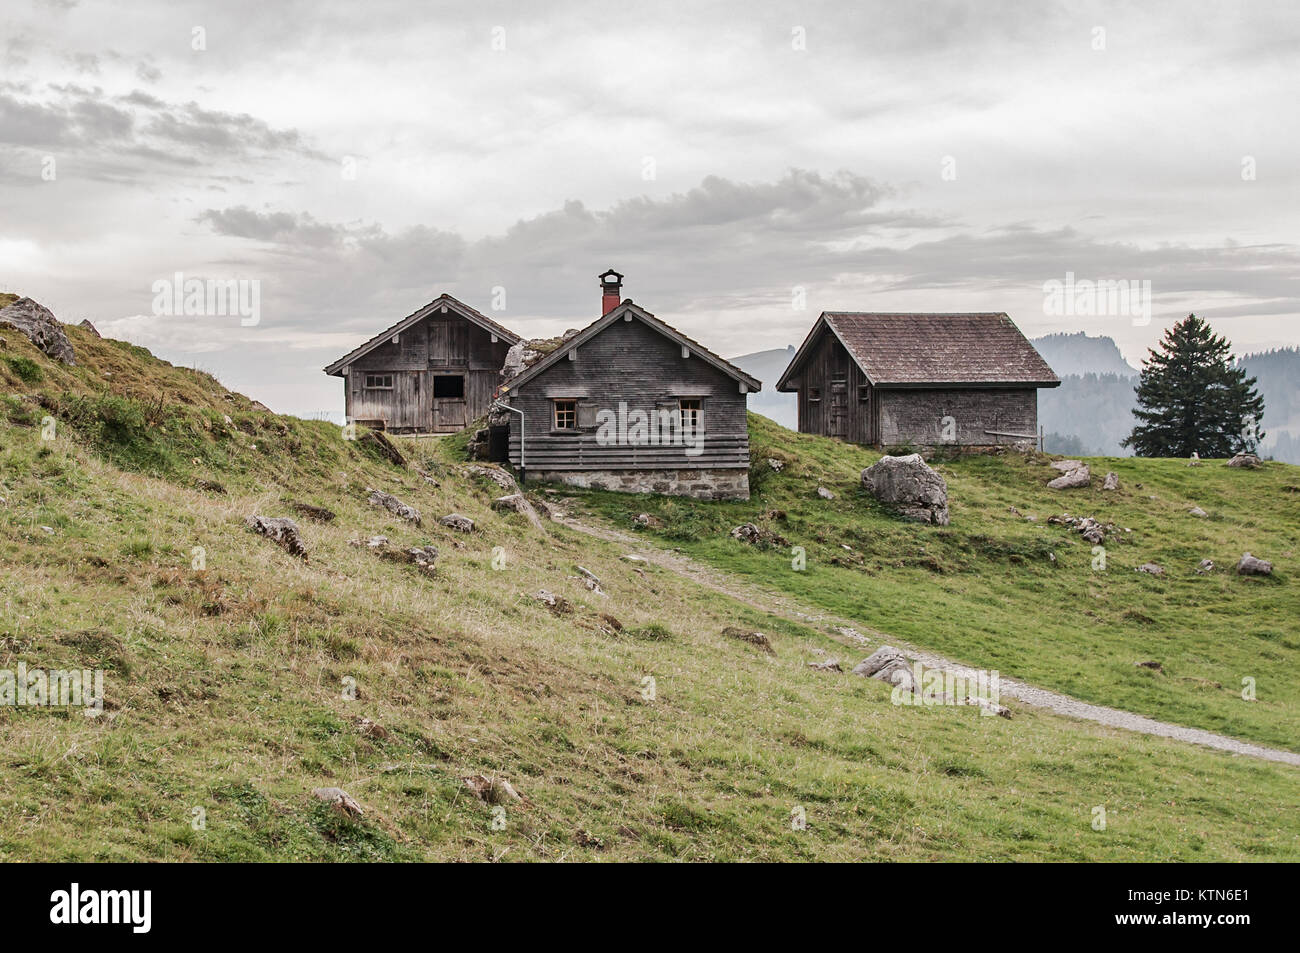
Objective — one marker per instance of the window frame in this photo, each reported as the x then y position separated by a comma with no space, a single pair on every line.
698,412
367,385
571,413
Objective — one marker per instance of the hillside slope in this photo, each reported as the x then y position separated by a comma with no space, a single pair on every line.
234,690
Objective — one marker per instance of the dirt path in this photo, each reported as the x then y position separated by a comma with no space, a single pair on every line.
854,633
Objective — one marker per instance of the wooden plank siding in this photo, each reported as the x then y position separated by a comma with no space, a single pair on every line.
834,396
633,363
441,344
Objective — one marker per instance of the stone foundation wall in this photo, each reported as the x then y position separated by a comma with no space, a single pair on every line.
712,484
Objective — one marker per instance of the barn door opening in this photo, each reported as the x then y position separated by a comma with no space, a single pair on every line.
449,409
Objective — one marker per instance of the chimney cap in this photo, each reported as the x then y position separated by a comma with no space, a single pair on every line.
610,277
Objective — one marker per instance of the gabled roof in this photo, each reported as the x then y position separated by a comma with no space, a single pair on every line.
645,317
918,350
443,301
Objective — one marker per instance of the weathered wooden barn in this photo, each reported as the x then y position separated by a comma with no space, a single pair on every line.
435,371
630,403
890,380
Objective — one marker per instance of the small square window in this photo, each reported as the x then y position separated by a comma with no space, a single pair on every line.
690,410
379,382
566,415
814,393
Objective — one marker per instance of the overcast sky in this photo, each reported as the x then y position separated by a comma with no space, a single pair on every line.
358,159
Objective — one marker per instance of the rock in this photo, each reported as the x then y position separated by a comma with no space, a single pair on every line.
1195,461
746,533
648,521
318,513
374,542
1154,666
753,638
340,800
1205,565
830,665
633,558
515,503
209,486
395,506
86,325
496,475
1111,482
824,493
282,530
899,674
992,707
522,355
775,465
492,790
877,660
588,575
421,557
1252,566
479,447
1197,511
1152,569
1078,477
461,524
42,329
376,442
557,604
910,485
1249,460
1065,466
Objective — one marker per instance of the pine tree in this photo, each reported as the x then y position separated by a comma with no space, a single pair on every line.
1191,399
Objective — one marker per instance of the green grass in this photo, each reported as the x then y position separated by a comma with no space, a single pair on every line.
987,591
229,687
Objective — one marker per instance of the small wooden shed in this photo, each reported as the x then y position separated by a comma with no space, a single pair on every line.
435,371
890,380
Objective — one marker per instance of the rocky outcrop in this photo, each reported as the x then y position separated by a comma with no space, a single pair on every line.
85,325
909,485
1151,569
461,524
395,506
41,327
1111,482
498,476
1080,476
380,445
888,665
516,503
824,493
1247,460
282,530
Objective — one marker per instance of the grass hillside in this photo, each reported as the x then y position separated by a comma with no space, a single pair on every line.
999,590
229,687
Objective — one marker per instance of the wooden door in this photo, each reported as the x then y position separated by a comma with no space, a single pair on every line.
839,408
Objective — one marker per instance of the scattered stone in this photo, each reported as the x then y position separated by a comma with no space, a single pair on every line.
282,530
340,800
492,790
824,493
776,465
515,503
496,475
421,557
753,638
1065,466
753,535
648,521
1197,511
376,441
375,542
395,506
610,622
47,530
557,604
1154,666
909,484
830,665
479,447
993,708
1152,569
210,486
633,558
1195,461
1089,528
86,325
1111,482
853,634
461,524
41,327
1252,566
1248,460
370,729
318,513
1080,476
1205,565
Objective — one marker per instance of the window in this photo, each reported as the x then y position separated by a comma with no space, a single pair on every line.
379,382
566,415
689,408
449,385
814,393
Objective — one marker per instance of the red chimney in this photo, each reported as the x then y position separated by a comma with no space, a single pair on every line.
611,291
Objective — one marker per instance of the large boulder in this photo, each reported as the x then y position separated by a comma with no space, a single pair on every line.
888,665
1248,460
1080,476
41,327
1254,566
910,485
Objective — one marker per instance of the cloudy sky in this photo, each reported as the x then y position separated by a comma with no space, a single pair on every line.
357,159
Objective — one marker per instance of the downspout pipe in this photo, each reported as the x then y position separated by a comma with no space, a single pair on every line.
523,466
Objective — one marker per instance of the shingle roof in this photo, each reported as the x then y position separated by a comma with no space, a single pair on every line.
911,350
625,309
442,301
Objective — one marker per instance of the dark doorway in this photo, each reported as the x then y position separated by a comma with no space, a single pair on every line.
449,385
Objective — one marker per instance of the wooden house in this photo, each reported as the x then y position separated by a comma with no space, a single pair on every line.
632,404
923,380
435,371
